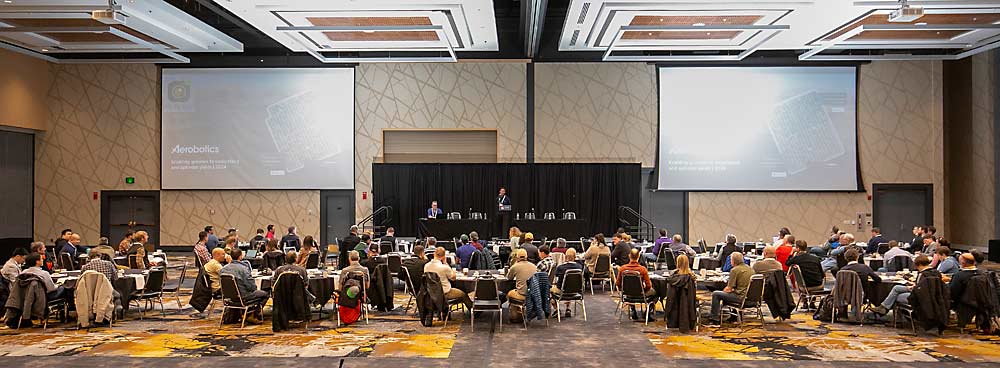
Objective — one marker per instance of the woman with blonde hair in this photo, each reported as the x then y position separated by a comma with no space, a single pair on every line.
597,248
683,266
515,236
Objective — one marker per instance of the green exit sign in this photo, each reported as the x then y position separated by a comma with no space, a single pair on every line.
129,180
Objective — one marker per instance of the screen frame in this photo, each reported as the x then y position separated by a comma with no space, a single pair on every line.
354,121
857,129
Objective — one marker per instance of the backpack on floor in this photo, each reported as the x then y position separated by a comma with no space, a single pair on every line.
825,310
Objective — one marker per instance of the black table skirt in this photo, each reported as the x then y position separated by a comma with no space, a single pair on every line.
551,229
448,229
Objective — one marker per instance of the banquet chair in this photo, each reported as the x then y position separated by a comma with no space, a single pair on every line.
174,286
66,261
806,297
634,295
487,299
571,290
151,292
603,273
232,299
313,261
753,301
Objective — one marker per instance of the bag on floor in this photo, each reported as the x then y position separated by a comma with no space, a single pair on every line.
825,310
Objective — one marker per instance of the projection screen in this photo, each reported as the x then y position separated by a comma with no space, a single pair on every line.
257,128
758,129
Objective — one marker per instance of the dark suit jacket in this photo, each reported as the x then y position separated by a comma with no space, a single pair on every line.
874,242
868,277
505,200
958,282
289,237
347,245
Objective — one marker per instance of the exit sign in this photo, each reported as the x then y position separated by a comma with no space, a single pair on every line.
129,180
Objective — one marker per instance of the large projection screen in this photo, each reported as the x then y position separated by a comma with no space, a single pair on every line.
758,129
257,128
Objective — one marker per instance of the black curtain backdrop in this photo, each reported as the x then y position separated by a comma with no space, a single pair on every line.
593,191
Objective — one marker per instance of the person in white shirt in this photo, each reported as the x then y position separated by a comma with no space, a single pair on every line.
439,265
894,250
13,266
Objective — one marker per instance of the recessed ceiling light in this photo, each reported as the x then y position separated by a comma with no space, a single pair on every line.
699,24
8,1
43,50
650,33
368,31
708,33
921,24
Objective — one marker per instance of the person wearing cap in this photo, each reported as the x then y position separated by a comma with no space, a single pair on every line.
102,248
213,241
13,266
464,251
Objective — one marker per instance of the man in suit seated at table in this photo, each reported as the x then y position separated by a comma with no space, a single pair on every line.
434,211
868,276
875,240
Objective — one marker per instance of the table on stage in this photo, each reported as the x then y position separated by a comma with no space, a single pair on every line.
443,229
551,229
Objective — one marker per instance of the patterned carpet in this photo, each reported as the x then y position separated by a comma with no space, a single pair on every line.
395,335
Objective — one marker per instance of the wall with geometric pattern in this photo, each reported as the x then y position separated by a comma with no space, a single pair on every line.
607,112
104,125
460,95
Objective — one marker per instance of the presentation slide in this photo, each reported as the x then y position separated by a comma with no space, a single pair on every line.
257,128
758,129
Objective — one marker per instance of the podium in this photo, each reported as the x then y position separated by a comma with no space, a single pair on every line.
503,217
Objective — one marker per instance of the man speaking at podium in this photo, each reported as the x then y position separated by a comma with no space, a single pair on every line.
503,213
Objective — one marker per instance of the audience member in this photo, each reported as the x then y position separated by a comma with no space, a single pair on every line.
769,263
520,271
13,266
213,241
514,235
868,276
241,271
546,263
291,239
354,257
727,249
679,247
900,293
620,250
349,243
291,265
875,240
39,248
446,274
62,243
464,251
528,244
784,251
219,259
657,245
894,250
929,244
201,248
103,247
956,286
102,263
597,248
634,266
475,241
124,244
33,266
944,262
812,271
569,264
138,248
308,247
270,232
739,282
387,244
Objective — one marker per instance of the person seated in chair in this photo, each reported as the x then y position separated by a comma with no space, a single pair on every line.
812,271
736,289
597,248
569,264
560,246
291,239
291,266
894,250
944,262
901,293
520,271
219,259
527,243
476,242
241,271
446,274
33,266
308,247
13,266
546,263
679,247
464,251
956,286
620,250
633,265
769,263
868,276
355,259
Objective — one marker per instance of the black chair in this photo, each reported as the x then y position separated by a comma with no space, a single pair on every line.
881,248
133,261
231,299
634,295
258,245
395,264
603,273
702,246
313,261
297,283
291,244
487,299
571,290
363,279
66,261
174,286
899,263
273,260
198,264
806,297
409,289
152,291
753,300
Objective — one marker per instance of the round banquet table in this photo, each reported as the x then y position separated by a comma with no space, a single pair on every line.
321,287
881,290
125,286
